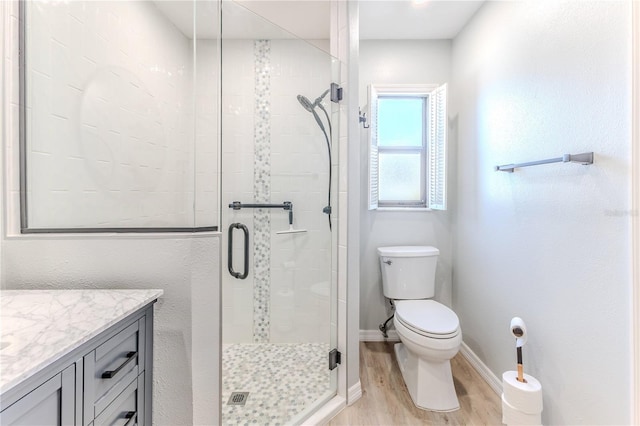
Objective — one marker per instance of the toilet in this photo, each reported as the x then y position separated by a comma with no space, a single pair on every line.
429,331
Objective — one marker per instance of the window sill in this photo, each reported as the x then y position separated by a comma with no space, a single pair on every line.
404,209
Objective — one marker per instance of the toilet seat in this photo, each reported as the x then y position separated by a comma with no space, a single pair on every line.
428,318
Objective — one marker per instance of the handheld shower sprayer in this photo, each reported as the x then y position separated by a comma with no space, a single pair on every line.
311,107
519,331
306,103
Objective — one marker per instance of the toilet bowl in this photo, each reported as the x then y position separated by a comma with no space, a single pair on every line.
425,353
429,331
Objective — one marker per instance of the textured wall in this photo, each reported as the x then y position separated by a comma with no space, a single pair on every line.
535,80
399,62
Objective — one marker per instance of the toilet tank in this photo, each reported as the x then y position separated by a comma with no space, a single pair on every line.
408,272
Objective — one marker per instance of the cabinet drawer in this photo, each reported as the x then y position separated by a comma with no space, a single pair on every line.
127,409
111,367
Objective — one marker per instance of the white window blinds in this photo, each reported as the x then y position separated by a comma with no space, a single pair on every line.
373,148
437,148
436,158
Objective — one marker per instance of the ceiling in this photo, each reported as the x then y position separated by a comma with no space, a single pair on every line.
309,19
400,19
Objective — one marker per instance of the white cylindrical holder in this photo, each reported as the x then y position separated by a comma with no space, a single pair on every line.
521,402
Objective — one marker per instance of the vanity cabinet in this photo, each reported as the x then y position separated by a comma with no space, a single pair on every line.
105,381
51,403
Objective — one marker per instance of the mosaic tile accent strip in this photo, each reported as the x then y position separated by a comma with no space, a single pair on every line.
262,191
282,380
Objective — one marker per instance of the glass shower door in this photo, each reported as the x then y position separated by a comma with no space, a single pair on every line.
278,283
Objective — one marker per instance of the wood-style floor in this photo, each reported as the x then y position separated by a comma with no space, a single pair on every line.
386,401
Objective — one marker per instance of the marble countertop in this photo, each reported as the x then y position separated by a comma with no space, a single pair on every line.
38,327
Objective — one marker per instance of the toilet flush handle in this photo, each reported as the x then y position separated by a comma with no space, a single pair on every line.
388,261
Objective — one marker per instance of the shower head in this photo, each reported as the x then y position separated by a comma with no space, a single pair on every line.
306,103
311,107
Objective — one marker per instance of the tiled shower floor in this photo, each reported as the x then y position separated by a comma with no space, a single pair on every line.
282,380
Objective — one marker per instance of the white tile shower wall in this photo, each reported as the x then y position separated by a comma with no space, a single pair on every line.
300,263
237,105
206,132
109,84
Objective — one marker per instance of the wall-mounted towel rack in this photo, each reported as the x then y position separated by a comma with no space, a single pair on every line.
584,158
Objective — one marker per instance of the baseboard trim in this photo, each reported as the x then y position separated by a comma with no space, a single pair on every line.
354,393
376,336
482,369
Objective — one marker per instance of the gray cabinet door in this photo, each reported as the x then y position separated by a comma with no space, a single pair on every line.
52,403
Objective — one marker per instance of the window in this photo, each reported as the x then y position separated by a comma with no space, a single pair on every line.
407,150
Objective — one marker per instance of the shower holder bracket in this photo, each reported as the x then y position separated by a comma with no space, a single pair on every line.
336,93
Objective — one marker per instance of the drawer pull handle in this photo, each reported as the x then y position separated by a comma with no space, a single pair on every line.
131,415
112,373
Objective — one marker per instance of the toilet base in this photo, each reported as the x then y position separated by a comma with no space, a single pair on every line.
430,384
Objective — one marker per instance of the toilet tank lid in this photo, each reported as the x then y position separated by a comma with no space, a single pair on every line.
408,251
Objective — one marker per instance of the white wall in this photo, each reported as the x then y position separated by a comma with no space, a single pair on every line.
399,62
535,80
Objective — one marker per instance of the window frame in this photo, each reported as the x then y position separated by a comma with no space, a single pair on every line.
433,166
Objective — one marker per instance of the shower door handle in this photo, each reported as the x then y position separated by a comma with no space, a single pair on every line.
238,275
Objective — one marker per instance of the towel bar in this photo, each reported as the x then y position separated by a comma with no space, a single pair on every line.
584,158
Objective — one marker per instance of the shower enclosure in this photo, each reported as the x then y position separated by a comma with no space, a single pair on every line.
278,125
180,119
